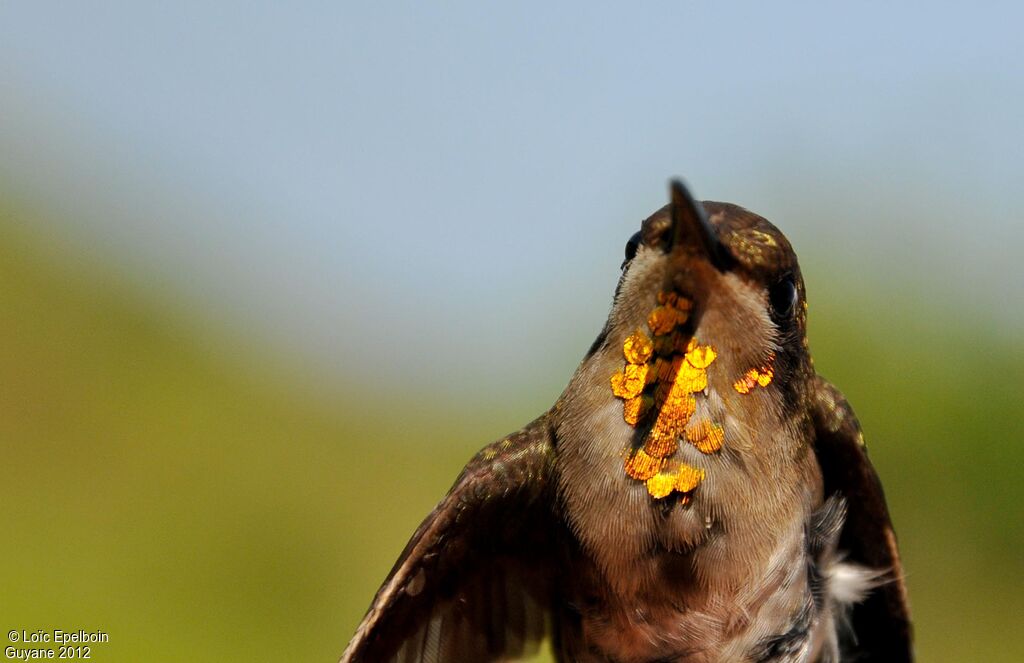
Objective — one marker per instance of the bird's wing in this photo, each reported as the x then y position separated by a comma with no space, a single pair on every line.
881,623
473,583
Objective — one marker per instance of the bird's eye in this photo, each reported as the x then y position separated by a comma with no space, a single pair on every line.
783,296
631,246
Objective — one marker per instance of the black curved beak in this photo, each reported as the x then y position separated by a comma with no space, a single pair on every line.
691,227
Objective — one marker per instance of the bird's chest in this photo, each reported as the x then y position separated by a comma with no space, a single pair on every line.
699,574
668,612
600,623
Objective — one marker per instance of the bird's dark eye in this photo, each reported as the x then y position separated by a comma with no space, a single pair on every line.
783,296
631,246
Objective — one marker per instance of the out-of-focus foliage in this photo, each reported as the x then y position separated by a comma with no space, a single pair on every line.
197,509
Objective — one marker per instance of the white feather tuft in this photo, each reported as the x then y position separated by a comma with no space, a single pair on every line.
850,583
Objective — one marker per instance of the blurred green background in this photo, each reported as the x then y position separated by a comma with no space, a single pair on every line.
268,279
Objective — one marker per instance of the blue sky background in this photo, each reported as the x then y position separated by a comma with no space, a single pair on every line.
446,186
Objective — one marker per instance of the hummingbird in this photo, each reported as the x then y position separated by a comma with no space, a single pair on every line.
697,493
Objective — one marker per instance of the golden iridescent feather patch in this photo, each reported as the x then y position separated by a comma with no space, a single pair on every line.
706,436
756,377
664,373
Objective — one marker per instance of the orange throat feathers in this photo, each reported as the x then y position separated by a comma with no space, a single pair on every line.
663,376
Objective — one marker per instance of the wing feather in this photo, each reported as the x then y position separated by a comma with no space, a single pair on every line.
473,583
881,623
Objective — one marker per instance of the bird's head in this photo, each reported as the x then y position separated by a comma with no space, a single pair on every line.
706,337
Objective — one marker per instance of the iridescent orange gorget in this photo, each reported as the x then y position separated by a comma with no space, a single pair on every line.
664,373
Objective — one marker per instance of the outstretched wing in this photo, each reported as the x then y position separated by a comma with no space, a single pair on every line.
881,623
473,583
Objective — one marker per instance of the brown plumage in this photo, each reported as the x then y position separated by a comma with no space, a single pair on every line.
697,493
